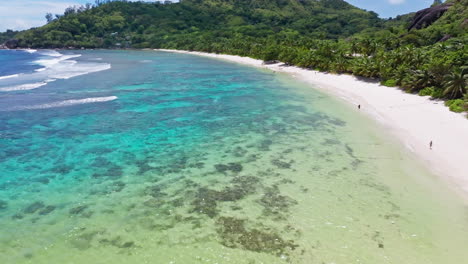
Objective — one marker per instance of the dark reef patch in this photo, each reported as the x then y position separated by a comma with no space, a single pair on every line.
197,165
62,169
99,150
377,237
106,168
101,162
376,186
113,171
274,204
206,200
281,164
350,151
178,202
355,163
248,183
83,241
269,173
264,145
234,234
47,210
3,205
234,167
252,158
117,242
286,181
190,184
81,210
32,208
17,216
336,122
143,167
43,180
156,191
154,203
331,142
116,186
239,152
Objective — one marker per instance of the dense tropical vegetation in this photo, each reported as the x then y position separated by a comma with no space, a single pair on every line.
326,35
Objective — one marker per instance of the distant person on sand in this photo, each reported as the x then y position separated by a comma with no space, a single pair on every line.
430,144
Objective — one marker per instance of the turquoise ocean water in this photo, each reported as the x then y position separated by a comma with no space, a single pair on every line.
152,157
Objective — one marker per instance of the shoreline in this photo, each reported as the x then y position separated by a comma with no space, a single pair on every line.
414,120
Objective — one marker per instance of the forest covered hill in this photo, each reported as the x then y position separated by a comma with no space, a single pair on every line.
328,35
145,25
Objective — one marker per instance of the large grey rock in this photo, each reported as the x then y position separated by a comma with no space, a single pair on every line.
11,44
426,17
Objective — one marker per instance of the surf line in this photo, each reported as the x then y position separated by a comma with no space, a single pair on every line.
64,103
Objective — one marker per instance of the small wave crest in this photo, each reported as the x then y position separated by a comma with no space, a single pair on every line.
48,63
64,103
9,76
51,53
29,50
73,69
22,87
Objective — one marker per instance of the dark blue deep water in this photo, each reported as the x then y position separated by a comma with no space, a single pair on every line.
17,61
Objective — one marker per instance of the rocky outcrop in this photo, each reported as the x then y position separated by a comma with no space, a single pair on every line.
445,38
427,16
10,44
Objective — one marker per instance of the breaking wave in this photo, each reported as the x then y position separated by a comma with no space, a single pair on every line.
9,76
29,50
64,103
54,66
22,87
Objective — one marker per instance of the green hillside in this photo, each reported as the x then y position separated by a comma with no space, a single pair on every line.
149,25
327,35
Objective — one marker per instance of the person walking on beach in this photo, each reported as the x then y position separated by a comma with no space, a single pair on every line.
430,144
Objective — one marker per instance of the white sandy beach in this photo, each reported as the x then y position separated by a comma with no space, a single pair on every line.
413,119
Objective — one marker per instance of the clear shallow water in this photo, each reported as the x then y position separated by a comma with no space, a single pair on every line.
170,158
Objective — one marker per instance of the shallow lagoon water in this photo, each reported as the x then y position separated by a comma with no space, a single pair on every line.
196,160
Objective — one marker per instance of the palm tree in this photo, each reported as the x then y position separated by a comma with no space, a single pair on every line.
419,79
455,83
400,75
340,64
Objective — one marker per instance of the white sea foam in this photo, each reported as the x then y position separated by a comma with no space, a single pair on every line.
51,53
29,50
22,87
63,67
9,76
55,66
72,69
64,103
48,63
